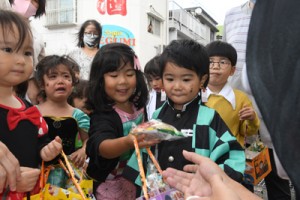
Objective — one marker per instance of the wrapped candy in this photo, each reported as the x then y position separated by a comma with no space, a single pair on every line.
157,130
153,185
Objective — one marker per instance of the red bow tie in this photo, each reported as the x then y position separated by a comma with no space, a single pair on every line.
14,117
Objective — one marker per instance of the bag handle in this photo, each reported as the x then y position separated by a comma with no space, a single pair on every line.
141,168
45,171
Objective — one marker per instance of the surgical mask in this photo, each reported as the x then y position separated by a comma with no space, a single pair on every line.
25,8
89,40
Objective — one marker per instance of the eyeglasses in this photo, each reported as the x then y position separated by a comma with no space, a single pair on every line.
91,35
222,64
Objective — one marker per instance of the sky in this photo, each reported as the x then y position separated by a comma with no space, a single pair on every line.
215,8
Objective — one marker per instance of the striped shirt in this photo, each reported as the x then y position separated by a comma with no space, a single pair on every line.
236,27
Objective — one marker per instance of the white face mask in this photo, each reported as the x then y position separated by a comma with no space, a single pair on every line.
25,8
89,40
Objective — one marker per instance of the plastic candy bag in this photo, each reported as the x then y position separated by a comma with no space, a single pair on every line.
157,130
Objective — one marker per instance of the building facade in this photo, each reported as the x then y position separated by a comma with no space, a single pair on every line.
147,25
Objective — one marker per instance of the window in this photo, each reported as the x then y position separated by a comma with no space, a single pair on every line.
61,12
154,25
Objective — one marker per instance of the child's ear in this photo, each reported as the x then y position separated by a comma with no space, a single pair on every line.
233,68
203,80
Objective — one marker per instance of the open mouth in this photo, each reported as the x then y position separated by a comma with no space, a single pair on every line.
122,91
60,89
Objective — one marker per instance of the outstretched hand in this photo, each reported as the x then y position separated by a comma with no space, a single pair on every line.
204,179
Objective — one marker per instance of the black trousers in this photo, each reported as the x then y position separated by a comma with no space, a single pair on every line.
277,188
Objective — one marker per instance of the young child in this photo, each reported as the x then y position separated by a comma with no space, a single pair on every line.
56,78
157,96
79,95
117,95
233,105
22,128
185,71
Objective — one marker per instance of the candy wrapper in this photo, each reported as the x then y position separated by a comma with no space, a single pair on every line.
157,130
157,189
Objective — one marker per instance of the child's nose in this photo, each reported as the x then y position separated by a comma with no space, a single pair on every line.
20,58
177,85
122,79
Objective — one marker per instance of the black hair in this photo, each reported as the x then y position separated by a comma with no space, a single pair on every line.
223,49
79,91
110,58
9,20
40,10
188,54
81,32
152,67
50,63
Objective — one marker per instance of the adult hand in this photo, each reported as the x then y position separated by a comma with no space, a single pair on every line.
9,169
193,183
205,180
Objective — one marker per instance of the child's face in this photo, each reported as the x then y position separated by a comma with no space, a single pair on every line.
15,66
80,104
220,69
58,83
155,83
180,84
121,84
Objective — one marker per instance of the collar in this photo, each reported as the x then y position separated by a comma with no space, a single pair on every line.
171,103
226,92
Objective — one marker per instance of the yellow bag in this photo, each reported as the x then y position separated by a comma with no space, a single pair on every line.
77,188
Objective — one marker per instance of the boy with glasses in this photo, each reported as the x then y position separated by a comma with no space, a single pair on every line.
233,105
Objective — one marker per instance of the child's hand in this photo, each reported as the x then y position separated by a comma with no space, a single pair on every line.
142,142
29,178
9,168
78,157
247,113
51,150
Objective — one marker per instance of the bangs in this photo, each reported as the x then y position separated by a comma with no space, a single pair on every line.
114,62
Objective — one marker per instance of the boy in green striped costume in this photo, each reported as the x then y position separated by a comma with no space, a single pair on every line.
185,71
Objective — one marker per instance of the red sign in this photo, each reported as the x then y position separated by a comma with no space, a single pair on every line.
113,7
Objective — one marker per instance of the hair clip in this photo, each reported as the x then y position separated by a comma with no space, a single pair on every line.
136,63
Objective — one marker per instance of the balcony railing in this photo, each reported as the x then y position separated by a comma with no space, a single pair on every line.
60,17
185,21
